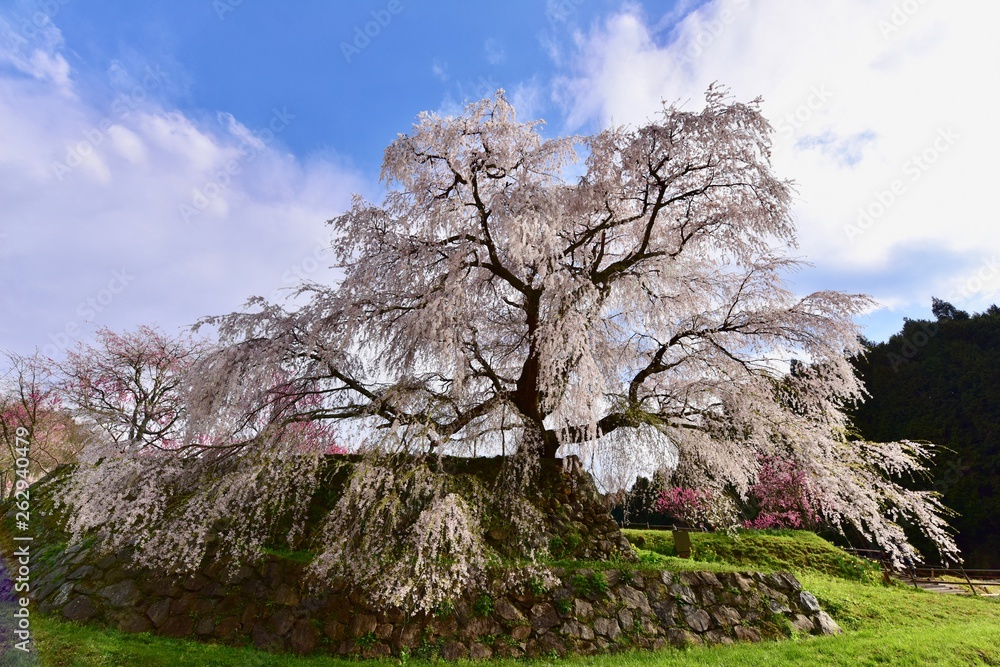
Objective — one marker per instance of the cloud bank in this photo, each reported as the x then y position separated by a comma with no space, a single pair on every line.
883,116
119,209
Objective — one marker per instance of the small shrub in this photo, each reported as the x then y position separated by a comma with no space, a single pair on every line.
428,650
702,509
444,609
565,546
536,586
483,605
593,585
859,570
365,641
783,494
564,605
618,560
651,558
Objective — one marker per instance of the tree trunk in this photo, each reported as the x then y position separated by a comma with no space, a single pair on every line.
550,445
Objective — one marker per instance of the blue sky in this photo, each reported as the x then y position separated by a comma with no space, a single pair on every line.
350,93
162,161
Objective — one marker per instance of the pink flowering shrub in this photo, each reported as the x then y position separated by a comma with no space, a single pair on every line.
29,402
784,497
129,385
692,506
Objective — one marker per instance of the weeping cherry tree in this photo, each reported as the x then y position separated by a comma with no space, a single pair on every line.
621,296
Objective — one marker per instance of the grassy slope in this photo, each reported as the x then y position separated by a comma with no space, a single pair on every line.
885,625
793,550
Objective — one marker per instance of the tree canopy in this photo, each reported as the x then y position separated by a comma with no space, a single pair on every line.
32,412
493,283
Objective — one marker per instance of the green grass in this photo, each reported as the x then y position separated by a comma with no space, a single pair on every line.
885,625
63,644
792,550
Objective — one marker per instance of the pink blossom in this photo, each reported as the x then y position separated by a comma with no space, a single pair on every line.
783,494
692,506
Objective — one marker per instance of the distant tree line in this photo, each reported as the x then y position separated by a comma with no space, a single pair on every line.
939,380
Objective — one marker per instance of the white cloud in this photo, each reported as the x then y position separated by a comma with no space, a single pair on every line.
865,98
527,97
35,52
126,213
439,69
495,53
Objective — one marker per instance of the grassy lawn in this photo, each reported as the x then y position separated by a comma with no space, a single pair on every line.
789,550
885,625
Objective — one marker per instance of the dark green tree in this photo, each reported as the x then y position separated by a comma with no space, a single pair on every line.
939,381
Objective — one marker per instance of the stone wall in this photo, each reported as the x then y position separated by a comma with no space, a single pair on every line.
588,611
582,611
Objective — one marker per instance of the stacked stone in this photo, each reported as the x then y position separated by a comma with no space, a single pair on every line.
588,611
651,609
574,508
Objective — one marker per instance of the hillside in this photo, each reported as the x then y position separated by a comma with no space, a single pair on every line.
884,624
797,551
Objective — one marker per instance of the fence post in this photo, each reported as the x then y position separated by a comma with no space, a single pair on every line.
887,569
971,587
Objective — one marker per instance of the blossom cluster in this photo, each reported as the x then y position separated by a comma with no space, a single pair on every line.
783,495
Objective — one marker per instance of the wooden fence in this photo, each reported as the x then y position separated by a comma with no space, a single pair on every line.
934,574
